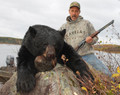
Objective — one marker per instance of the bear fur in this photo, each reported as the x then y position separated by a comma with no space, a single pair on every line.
35,42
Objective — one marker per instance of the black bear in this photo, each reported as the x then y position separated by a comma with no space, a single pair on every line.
35,42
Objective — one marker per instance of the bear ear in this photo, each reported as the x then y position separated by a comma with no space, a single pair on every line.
63,32
32,31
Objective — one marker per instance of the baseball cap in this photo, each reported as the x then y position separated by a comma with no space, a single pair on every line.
75,4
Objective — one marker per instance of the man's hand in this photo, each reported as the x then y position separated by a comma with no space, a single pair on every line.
89,39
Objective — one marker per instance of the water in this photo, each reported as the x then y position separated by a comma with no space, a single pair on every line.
8,49
108,57
111,60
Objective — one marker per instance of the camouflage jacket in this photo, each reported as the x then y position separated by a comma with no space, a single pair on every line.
78,30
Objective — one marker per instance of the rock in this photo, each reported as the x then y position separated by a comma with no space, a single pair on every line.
59,81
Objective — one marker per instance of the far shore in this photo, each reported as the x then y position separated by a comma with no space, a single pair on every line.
110,48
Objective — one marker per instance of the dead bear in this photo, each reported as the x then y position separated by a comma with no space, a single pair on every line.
34,44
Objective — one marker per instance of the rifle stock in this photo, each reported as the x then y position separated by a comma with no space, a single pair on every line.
93,35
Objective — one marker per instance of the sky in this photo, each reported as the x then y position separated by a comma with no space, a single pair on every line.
17,15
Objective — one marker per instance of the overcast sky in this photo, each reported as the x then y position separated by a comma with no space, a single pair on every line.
17,15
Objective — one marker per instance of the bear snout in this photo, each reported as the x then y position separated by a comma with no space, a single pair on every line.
50,52
50,55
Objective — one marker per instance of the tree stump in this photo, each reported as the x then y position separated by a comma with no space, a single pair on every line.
59,81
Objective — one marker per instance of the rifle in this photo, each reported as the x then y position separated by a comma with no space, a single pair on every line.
93,35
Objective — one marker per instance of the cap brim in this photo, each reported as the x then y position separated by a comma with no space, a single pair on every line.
75,6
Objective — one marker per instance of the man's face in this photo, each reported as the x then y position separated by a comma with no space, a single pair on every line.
74,13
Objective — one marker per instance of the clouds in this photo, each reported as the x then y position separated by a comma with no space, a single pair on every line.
17,15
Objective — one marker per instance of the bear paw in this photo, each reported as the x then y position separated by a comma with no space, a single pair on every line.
25,83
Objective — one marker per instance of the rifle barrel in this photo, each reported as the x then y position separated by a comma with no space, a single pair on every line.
106,26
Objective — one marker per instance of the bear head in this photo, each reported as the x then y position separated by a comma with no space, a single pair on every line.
41,39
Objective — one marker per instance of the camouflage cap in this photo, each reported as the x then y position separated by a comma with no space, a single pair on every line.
75,4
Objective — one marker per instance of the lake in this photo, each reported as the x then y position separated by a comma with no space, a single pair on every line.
8,49
111,60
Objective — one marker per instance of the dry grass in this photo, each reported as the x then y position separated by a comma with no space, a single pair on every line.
103,85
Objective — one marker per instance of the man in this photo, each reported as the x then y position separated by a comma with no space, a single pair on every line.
78,29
